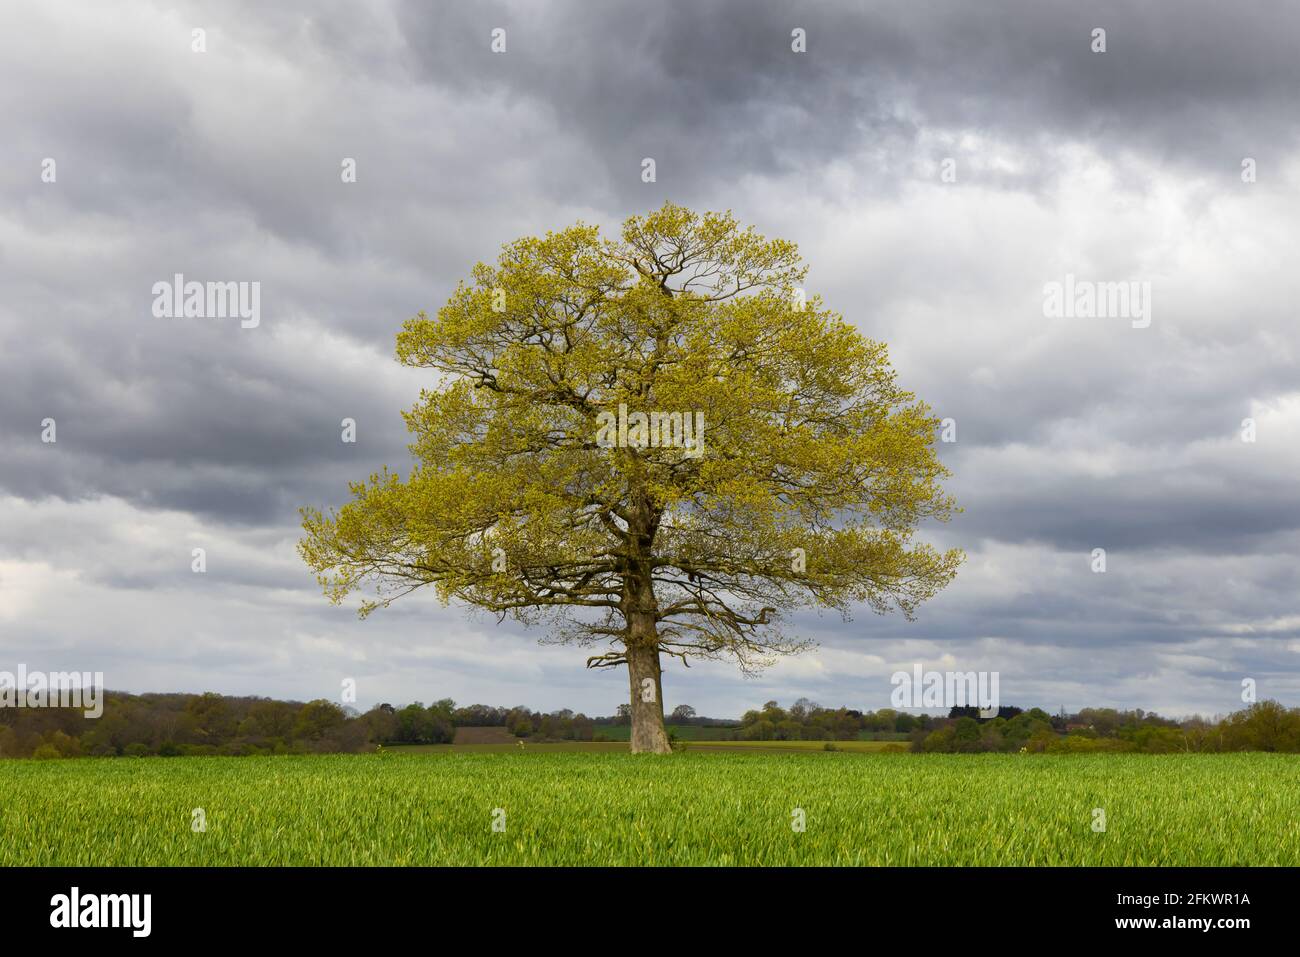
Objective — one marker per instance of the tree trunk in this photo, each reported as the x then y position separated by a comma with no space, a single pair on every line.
641,641
648,735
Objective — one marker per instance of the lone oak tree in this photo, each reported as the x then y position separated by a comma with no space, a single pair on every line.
805,488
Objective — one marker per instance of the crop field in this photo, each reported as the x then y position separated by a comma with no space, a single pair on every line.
855,746
530,747
690,732
693,732
739,807
621,747
685,732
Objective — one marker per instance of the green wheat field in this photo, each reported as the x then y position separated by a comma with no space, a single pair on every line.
602,807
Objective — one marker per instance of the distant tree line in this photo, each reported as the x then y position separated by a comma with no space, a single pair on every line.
437,724
181,724
211,724
1264,726
808,721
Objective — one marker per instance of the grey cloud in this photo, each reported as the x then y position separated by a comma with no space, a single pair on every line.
715,88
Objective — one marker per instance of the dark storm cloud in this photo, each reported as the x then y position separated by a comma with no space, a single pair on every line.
713,90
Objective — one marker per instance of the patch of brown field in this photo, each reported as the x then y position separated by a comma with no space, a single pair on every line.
488,735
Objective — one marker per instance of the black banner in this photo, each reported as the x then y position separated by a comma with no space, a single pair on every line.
946,907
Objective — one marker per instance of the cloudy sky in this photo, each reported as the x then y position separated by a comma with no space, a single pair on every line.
1072,433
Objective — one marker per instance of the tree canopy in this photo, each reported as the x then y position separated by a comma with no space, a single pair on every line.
764,457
